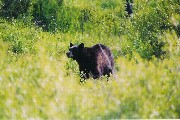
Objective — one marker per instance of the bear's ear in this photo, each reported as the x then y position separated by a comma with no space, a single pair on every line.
81,45
71,44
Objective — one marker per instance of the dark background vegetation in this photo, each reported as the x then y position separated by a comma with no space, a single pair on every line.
150,19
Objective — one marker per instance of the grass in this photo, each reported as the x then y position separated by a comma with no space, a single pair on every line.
38,81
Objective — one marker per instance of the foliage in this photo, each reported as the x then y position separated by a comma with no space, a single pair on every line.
14,8
20,40
108,16
38,81
45,13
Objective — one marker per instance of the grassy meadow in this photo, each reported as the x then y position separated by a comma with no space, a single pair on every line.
38,81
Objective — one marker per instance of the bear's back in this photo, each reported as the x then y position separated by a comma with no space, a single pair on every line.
104,50
104,58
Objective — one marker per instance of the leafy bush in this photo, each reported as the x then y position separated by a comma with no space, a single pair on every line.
108,4
20,40
14,8
147,26
45,13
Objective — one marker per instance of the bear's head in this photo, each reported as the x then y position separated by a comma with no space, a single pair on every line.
75,51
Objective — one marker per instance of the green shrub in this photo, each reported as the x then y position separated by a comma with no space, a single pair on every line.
150,20
14,8
108,4
20,40
45,14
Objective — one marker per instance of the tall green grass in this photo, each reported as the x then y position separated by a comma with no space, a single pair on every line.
38,81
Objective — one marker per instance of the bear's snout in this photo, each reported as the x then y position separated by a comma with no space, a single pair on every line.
69,54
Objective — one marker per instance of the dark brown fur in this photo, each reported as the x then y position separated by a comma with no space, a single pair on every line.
96,60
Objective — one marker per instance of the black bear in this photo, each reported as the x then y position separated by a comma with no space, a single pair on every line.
96,60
